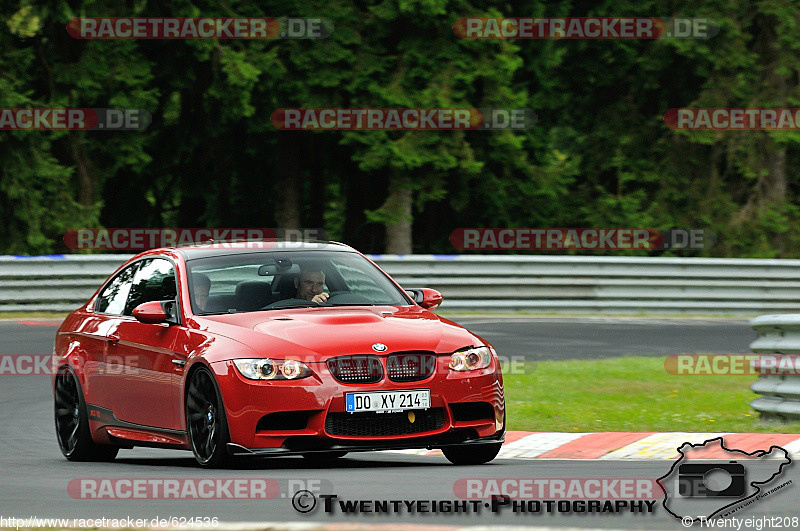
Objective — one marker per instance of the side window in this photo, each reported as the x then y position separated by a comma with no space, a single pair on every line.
154,281
112,298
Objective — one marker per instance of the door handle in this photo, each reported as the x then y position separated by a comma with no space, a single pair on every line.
113,339
179,363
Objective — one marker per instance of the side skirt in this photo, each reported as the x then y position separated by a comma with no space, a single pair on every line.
127,434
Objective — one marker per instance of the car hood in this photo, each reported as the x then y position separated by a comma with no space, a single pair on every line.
326,332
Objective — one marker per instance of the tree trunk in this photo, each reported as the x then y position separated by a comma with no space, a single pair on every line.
776,185
85,182
773,185
317,177
398,228
288,182
775,192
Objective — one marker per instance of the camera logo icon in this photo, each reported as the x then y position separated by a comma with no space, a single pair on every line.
707,480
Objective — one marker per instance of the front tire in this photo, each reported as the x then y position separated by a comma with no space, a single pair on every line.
205,420
471,454
72,422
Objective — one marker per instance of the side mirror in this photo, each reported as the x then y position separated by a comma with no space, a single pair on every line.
154,312
428,298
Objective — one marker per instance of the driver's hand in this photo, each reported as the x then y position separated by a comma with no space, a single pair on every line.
322,297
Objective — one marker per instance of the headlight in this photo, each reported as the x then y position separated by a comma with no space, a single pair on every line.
471,359
268,369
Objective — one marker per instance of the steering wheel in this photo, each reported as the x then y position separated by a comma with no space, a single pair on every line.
289,303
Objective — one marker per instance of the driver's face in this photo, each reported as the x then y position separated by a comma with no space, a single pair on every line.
200,295
309,284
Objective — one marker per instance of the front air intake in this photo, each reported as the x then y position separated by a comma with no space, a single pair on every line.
470,411
356,369
284,421
410,366
384,424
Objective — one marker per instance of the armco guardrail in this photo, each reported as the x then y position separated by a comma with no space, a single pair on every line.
490,282
780,395
52,283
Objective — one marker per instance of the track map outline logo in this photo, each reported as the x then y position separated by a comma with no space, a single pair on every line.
710,495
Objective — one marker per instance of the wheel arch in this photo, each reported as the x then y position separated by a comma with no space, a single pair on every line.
193,368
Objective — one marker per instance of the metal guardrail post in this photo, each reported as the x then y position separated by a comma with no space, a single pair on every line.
780,394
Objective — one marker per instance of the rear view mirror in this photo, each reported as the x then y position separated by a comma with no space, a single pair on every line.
428,298
281,265
154,312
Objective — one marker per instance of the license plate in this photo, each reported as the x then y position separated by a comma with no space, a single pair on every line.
388,401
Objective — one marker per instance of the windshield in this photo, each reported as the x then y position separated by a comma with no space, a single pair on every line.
287,279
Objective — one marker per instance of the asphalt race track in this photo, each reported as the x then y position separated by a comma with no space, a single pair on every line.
34,476
533,338
605,337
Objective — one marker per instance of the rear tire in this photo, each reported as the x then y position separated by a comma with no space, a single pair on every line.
72,422
471,454
206,424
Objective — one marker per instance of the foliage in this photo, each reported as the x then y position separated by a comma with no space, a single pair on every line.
599,156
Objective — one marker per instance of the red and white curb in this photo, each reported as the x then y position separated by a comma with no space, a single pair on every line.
627,445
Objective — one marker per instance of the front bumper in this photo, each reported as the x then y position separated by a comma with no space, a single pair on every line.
317,397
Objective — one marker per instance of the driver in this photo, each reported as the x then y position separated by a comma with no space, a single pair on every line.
309,284
201,285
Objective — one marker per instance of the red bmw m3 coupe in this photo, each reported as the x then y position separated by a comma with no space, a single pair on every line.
269,349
